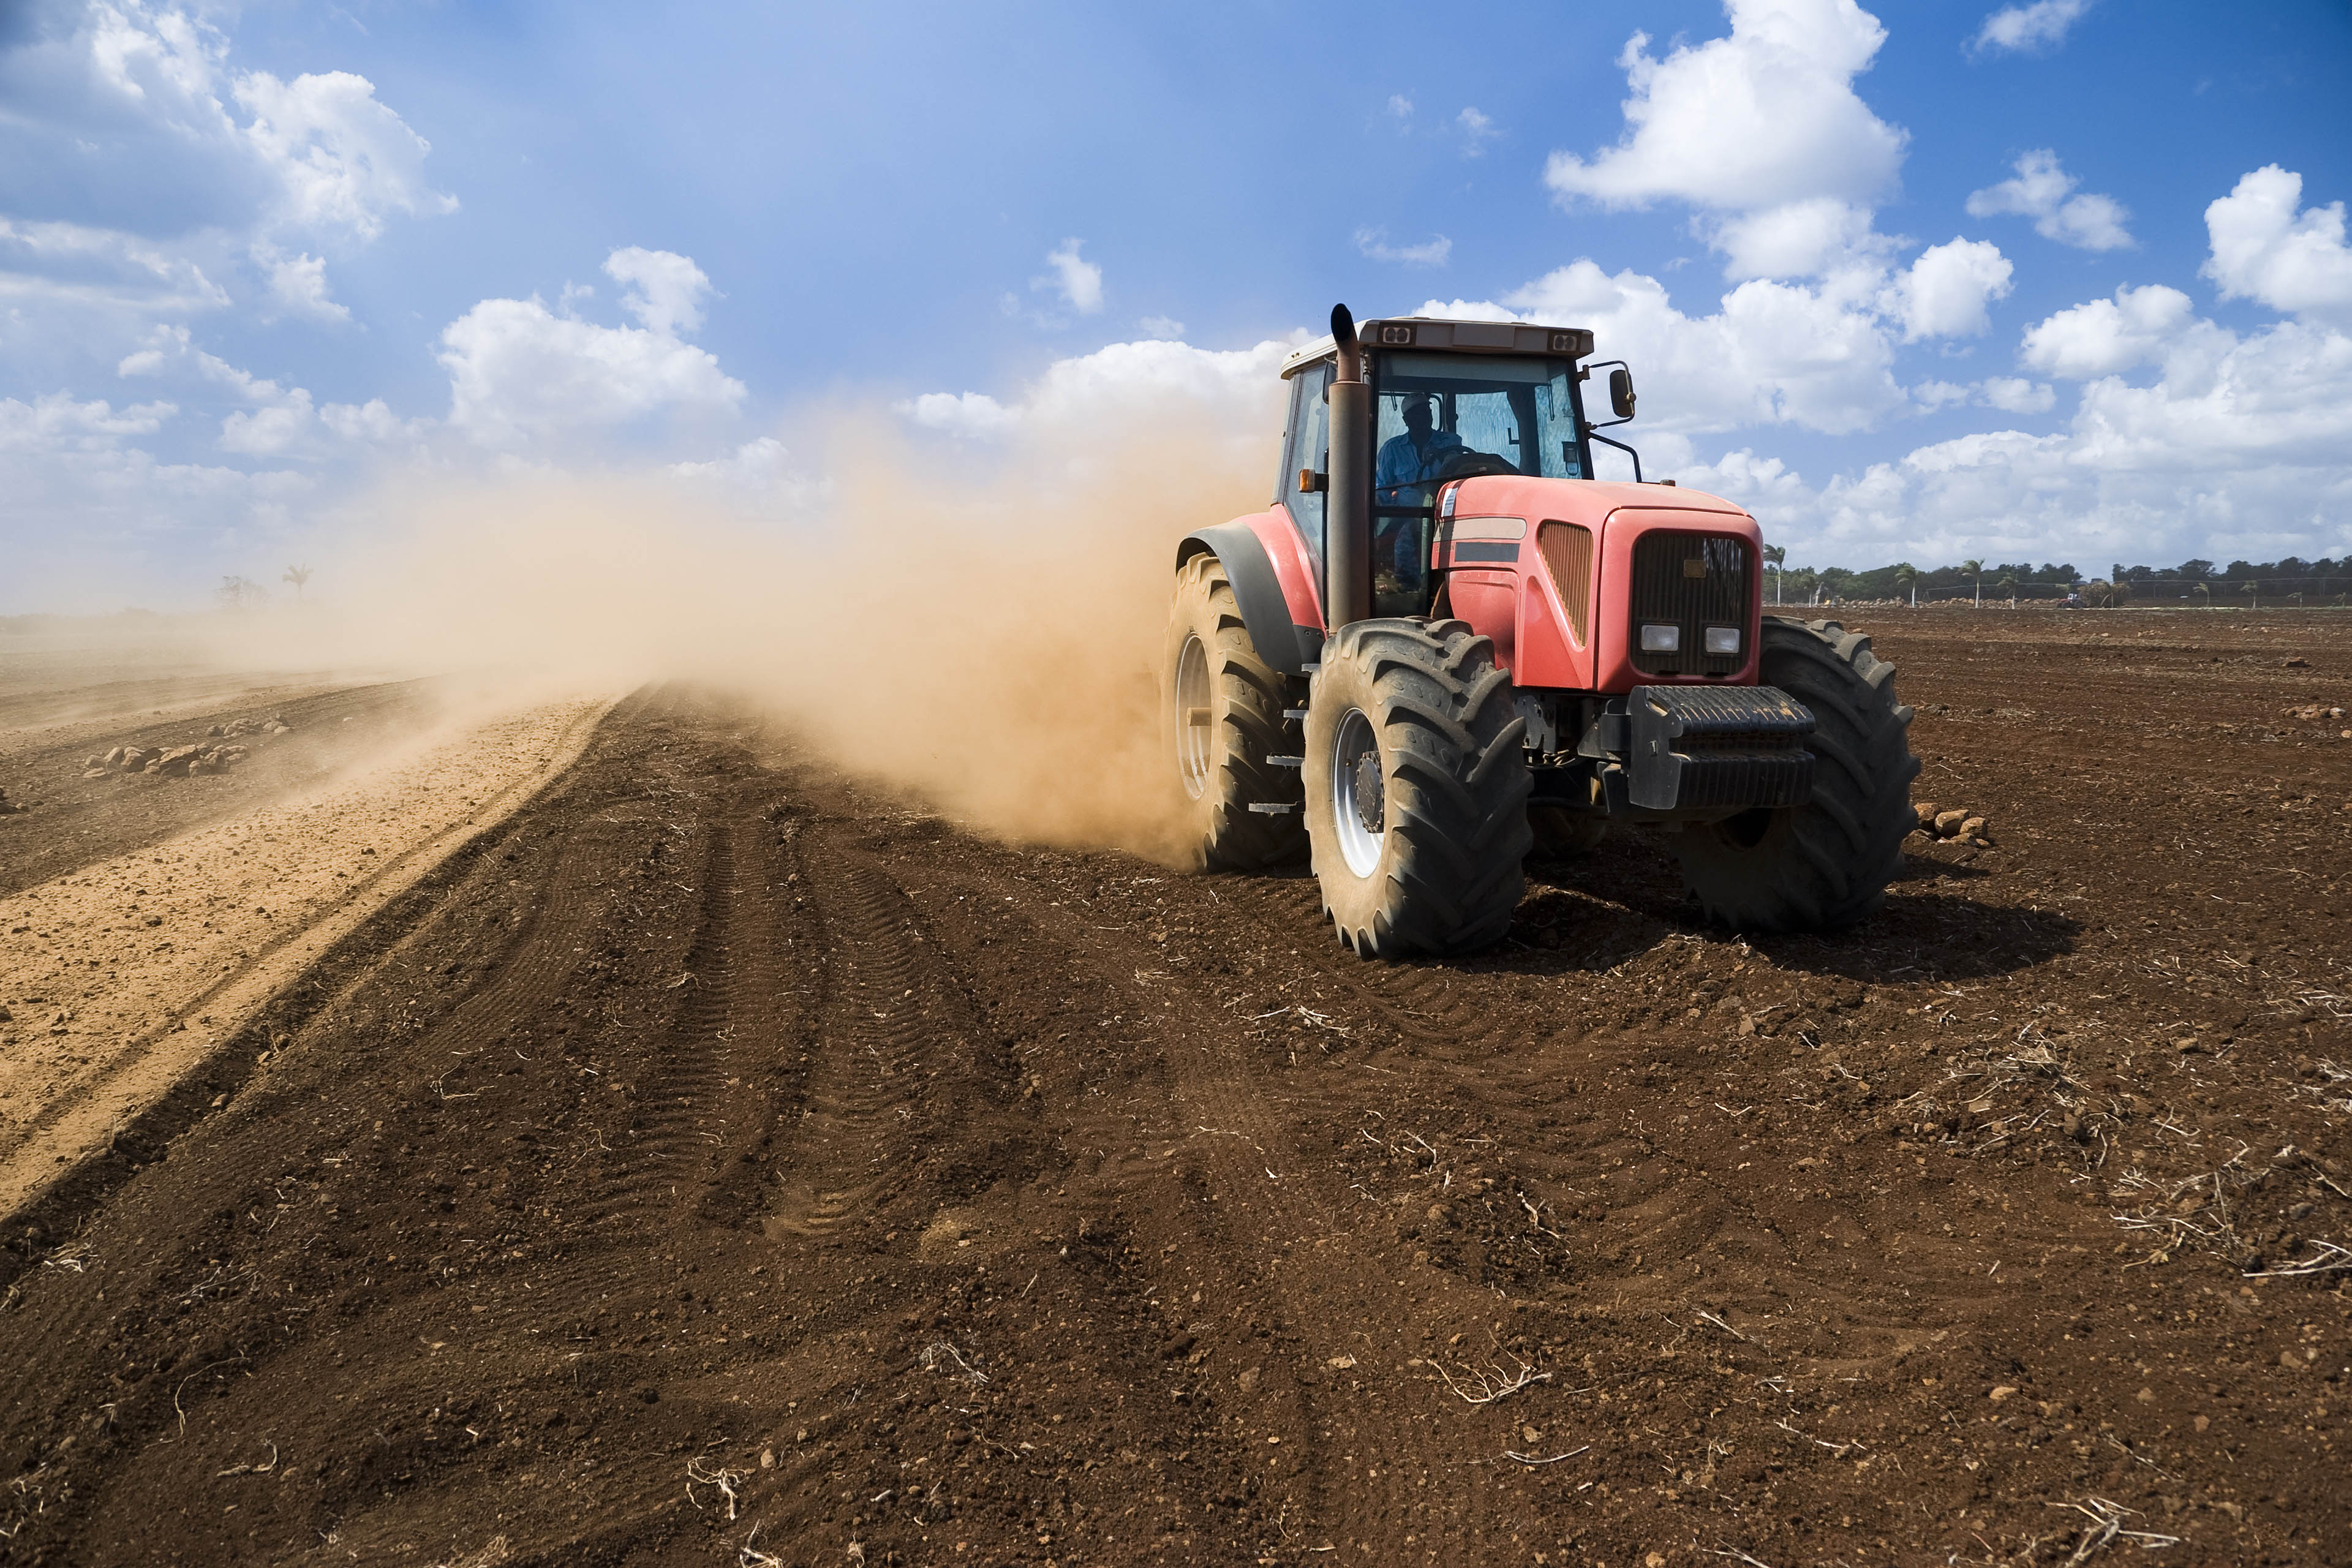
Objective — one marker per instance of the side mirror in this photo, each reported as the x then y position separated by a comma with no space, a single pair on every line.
1621,392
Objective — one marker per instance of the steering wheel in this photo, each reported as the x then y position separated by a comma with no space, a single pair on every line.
1475,465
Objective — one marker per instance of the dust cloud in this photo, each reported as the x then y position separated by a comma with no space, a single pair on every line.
980,629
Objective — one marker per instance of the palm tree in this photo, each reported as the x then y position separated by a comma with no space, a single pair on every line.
1907,576
297,576
1975,569
2208,592
2007,584
2255,592
1776,556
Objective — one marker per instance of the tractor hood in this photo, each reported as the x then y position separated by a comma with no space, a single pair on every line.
1587,501
1563,575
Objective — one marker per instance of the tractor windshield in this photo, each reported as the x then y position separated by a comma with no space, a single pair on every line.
1445,417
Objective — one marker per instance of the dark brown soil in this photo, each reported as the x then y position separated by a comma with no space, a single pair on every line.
726,1163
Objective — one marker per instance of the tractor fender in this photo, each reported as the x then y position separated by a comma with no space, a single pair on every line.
1257,592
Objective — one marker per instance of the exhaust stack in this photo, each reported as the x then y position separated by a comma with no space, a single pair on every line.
1348,550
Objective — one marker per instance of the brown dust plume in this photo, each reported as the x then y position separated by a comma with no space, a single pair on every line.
982,631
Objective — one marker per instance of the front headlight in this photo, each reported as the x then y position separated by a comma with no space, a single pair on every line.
1657,638
1723,639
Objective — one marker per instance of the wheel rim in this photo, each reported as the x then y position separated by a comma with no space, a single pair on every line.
1194,717
1360,845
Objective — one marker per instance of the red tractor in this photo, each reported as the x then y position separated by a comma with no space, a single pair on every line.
1445,644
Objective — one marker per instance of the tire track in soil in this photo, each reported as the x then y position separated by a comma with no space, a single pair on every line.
1429,1002
737,1016
1273,1222
868,1037
536,970
538,964
271,1356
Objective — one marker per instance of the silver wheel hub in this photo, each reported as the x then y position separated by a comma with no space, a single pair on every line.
1359,794
1195,718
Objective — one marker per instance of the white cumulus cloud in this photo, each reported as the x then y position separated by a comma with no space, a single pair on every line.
342,159
56,262
1765,119
2025,29
297,284
55,422
1080,280
1818,356
1799,239
276,420
2264,249
2236,446
519,372
1771,353
2106,336
1945,290
2015,395
661,288
969,414
148,169
2042,191
271,428
372,423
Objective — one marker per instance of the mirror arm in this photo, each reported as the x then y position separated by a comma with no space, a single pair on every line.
1591,436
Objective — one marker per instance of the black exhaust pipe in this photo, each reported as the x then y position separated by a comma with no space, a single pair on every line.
1347,504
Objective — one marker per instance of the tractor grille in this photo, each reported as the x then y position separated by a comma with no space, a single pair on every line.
1567,551
1692,581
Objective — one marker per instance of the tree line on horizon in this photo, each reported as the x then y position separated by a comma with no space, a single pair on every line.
2193,582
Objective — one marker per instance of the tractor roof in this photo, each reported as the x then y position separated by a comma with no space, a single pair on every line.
1462,337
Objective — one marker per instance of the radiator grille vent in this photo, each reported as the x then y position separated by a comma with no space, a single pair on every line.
1692,581
1567,551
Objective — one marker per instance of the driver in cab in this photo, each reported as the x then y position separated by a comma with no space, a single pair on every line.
1415,457
1406,463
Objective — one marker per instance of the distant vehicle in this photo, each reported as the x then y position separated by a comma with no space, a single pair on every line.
2072,601
1445,642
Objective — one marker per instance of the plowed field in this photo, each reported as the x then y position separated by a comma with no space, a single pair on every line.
721,1161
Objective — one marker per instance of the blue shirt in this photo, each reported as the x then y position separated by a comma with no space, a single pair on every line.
1401,464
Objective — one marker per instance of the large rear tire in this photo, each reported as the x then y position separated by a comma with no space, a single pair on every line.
1224,707
1416,788
1826,863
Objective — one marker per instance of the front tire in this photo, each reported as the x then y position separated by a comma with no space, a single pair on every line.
1223,713
1416,788
1826,863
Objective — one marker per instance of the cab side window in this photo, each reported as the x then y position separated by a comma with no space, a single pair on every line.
1306,446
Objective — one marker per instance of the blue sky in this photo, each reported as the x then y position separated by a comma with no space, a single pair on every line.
2047,280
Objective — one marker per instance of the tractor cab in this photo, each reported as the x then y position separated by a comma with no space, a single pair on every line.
1450,400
